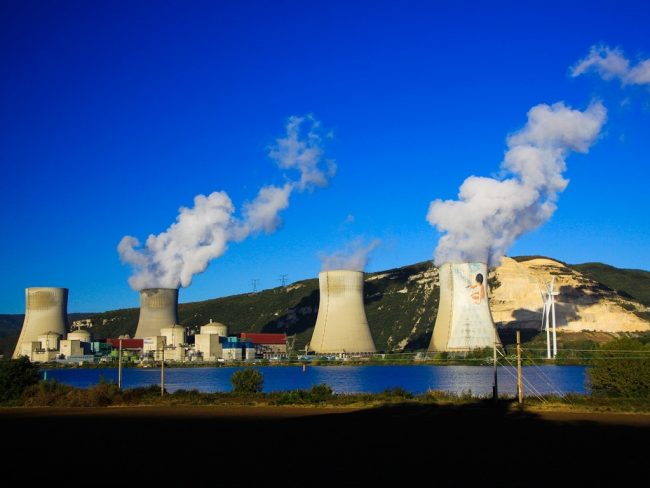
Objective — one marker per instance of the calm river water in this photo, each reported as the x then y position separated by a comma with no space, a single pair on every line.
347,379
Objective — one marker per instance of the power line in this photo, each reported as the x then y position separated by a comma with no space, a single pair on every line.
254,283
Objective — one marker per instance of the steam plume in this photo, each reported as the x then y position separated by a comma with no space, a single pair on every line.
611,63
202,233
354,256
490,214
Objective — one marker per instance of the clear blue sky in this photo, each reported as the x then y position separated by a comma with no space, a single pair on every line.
114,114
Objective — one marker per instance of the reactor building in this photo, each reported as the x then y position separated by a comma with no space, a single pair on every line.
158,310
46,320
341,325
464,321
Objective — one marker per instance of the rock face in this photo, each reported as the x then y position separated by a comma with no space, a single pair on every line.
582,304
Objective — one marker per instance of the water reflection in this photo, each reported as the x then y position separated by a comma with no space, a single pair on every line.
347,379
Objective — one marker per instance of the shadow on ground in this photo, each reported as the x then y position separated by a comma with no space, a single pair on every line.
479,443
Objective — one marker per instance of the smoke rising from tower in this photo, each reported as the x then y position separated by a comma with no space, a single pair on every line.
490,214
202,232
354,256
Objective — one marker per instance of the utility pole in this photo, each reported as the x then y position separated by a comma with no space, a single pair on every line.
520,382
162,373
254,283
119,367
495,385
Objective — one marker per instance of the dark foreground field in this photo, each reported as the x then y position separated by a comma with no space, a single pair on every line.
404,445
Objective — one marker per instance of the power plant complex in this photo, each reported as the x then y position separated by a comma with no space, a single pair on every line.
463,323
159,336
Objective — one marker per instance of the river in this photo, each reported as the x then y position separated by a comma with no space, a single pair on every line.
476,380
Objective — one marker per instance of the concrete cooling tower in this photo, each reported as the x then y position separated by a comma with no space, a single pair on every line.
464,321
341,325
158,309
46,311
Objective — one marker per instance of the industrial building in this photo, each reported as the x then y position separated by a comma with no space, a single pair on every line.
341,324
464,321
267,345
207,343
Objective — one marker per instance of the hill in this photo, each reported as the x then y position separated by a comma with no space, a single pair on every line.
401,306
634,283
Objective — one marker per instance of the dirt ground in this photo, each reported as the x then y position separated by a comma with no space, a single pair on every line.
479,444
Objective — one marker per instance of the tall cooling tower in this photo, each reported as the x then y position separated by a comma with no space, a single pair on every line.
464,321
46,310
341,325
158,309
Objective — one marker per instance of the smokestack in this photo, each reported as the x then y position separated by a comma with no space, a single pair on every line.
158,309
464,321
341,325
46,311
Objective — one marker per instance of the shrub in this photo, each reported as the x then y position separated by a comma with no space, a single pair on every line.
621,368
15,376
247,380
397,392
320,393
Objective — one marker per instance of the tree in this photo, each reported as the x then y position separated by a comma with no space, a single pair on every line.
621,368
247,380
15,376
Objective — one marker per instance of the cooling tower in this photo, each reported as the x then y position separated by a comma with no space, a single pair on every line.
341,325
158,309
464,321
46,311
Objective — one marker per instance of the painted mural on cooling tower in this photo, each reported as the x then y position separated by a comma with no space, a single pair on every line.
471,321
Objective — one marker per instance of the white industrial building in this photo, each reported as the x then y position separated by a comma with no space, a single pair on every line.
207,343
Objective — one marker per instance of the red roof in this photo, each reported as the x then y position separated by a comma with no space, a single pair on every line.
260,338
126,343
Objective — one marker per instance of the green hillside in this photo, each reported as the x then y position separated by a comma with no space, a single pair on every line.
634,283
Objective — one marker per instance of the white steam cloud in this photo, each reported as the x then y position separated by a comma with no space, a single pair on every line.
202,233
354,256
611,63
490,214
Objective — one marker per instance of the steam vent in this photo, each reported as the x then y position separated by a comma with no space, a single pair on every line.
46,312
341,325
464,321
158,309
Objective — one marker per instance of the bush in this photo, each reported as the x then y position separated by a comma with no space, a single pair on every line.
621,368
320,393
247,380
15,376
397,392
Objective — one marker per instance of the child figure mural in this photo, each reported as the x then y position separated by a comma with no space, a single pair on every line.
477,289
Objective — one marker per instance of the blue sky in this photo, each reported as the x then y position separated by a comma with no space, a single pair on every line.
113,115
